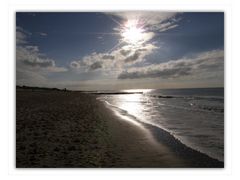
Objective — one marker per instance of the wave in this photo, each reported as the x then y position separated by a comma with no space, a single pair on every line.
198,108
192,103
216,98
160,133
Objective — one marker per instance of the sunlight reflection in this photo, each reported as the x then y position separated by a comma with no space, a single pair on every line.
131,103
124,115
131,106
137,90
129,119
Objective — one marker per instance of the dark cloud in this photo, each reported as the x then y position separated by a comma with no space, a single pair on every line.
132,57
135,56
125,52
108,57
95,65
153,73
39,63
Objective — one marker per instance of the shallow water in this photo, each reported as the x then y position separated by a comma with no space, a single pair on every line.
194,116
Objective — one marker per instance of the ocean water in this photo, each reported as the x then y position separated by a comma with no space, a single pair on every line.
193,116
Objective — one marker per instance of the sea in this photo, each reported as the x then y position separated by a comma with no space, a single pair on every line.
193,116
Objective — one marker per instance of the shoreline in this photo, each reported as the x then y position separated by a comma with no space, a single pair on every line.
190,157
75,130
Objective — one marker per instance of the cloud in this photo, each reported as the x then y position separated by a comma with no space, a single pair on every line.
207,62
39,63
43,34
93,61
32,66
125,52
29,56
75,65
95,65
21,35
117,59
107,56
166,27
132,57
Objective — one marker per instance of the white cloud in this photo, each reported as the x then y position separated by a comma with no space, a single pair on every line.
29,57
21,35
43,34
75,65
207,62
118,59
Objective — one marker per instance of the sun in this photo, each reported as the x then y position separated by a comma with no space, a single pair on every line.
132,33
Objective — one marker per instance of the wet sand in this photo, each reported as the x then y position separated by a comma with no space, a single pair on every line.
71,129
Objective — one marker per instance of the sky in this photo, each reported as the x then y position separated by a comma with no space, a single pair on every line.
120,50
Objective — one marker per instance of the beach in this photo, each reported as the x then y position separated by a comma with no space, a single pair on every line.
58,129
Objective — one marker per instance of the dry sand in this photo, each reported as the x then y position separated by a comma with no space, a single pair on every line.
72,129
